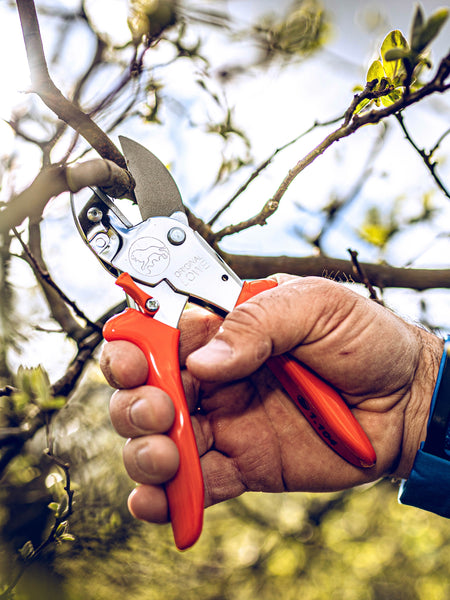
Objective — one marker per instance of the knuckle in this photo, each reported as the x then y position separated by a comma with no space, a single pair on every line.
141,411
197,327
249,321
151,459
118,406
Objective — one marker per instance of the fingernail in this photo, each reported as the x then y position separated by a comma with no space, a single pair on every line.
215,352
140,415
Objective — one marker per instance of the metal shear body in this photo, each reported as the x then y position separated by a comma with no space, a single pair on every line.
161,263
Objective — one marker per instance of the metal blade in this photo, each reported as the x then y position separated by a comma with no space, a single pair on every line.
156,192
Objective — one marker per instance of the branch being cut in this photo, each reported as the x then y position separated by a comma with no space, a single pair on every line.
362,275
56,179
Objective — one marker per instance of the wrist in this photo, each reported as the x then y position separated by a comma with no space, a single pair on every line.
418,408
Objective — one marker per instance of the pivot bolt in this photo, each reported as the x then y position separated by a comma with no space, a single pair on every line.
176,236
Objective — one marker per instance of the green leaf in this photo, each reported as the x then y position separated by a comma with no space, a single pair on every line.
23,380
27,550
417,25
394,39
62,529
431,28
149,18
375,71
396,54
391,98
54,507
53,403
21,400
40,385
373,229
362,105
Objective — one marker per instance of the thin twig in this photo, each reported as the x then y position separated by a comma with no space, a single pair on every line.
266,163
362,275
333,210
8,390
45,276
426,156
439,142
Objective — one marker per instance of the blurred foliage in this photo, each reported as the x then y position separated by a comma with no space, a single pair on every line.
34,393
351,545
8,335
354,545
150,18
380,226
303,30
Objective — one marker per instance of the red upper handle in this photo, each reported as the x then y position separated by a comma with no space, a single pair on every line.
159,342
321,404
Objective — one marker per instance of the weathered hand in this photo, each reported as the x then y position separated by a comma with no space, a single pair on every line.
249,434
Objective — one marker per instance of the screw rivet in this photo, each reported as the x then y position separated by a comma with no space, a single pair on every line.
176,236
152,305
94,214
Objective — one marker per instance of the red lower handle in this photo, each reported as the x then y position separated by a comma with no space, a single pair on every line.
159,342
321,404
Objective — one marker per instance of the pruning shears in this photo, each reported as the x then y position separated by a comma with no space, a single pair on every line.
161,264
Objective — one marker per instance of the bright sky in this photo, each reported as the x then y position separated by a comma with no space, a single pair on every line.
13,71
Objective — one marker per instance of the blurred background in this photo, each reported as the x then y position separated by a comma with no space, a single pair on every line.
223,87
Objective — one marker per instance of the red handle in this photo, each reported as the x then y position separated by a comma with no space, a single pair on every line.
322,406
159,342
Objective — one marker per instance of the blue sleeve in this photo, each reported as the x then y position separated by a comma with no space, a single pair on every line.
428,485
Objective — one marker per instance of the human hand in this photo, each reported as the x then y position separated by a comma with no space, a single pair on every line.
249,434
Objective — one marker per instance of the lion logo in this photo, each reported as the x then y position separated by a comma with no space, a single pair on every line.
149,256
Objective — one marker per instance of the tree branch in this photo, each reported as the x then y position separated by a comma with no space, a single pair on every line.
351,124
56,179
265,164
361,275
51,95
13,444
380,275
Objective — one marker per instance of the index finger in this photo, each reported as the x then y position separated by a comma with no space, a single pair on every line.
123,364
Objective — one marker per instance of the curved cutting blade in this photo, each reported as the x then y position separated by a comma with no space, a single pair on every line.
156,192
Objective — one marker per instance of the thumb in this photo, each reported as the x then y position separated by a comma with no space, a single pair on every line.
249,335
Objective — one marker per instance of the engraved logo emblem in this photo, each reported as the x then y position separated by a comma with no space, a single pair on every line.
149,256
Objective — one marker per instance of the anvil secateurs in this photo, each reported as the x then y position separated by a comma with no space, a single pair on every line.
161,263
